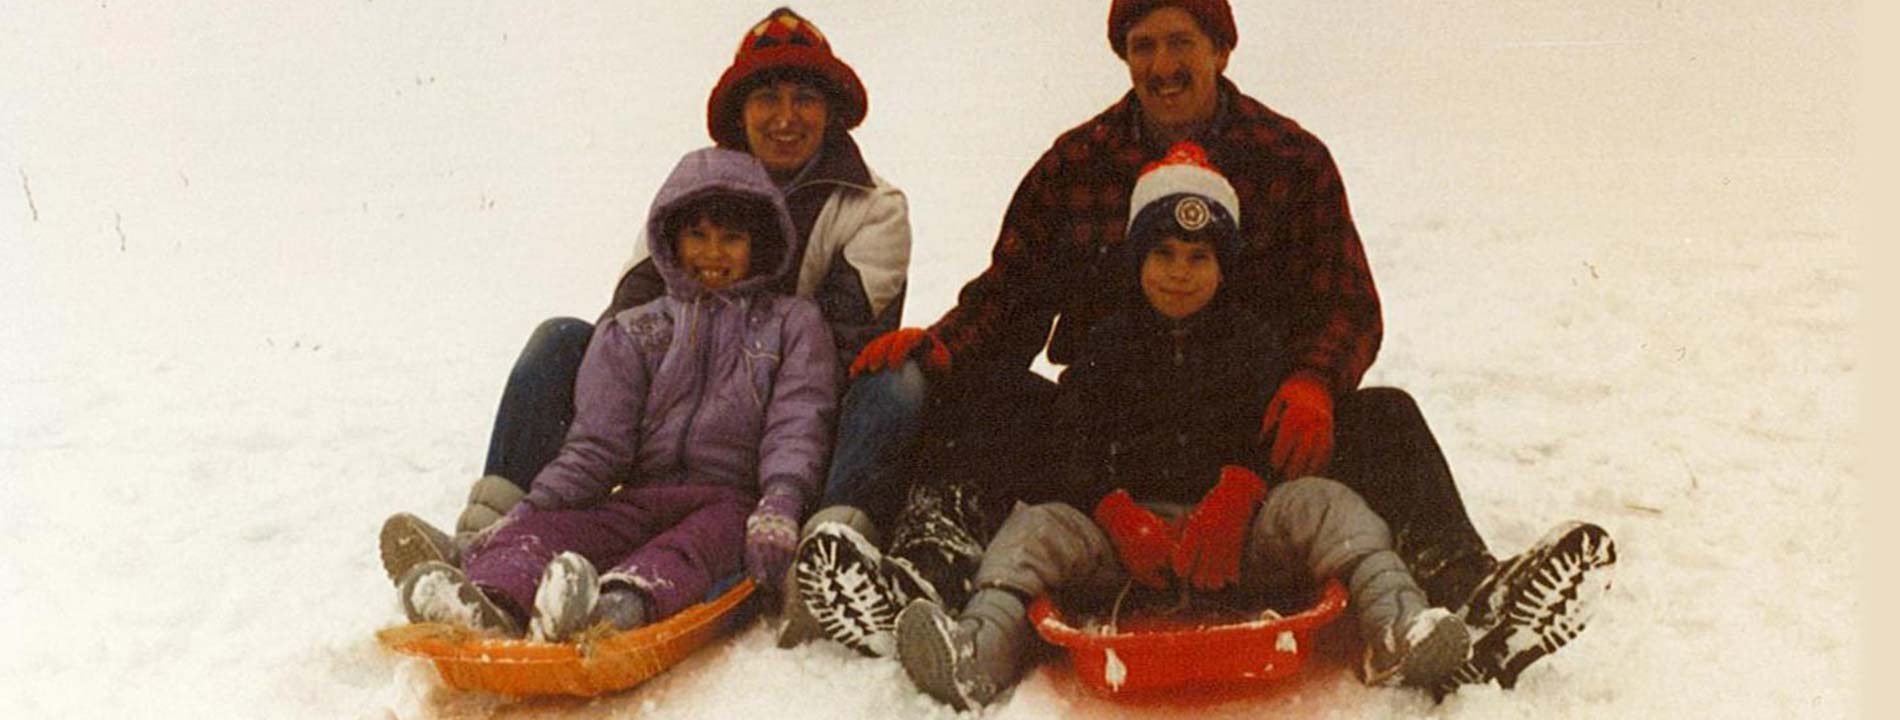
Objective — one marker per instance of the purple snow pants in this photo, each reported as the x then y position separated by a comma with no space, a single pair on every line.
672,543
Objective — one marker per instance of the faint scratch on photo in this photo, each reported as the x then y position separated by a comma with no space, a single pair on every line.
27,185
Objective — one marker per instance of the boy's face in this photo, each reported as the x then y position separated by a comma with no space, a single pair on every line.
1179,278
784,124
715,255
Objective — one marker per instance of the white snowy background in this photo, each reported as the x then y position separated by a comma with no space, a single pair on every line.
264,267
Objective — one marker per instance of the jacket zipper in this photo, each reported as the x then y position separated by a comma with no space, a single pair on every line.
699,384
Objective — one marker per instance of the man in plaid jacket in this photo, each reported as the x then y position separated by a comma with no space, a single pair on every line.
1301,264
956,403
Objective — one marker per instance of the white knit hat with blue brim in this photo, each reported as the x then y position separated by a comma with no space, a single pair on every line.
1183,193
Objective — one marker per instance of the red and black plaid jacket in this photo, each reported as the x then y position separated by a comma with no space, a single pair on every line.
1059,247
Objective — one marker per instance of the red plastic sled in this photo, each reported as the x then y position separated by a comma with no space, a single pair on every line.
470,661
1148,652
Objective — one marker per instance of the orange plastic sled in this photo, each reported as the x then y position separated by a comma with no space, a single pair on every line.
1149,652
470,661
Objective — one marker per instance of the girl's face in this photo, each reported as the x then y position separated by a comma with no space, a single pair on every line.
1179,278
714,254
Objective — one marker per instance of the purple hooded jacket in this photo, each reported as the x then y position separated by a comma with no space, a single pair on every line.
732,387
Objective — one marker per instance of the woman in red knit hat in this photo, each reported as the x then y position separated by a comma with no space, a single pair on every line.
790,102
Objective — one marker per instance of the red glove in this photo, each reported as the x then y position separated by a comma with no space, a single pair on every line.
892,348
1142,539
1209,554
1300,419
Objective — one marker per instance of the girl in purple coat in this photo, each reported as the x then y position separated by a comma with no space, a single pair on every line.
699,439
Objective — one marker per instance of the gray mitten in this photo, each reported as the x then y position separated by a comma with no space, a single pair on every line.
490,498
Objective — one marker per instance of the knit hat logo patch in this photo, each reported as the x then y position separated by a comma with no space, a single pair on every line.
1191,214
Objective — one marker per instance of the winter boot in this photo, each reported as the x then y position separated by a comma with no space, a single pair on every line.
438,592
407,541
1422,652
967,661
1534,603
623,607
852,591
1407,642
564,602
935,534
800,627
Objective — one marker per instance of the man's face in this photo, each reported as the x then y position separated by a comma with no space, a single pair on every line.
1179,278
1174,64
716,255
784,125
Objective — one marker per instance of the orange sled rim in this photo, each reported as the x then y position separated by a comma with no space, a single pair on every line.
469,661
1166,656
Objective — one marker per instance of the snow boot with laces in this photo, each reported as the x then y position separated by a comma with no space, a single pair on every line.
1531,605
936,533
438,592
968,660
852,592
407,541
564,602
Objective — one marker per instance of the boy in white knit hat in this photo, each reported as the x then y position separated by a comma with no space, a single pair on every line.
1153,431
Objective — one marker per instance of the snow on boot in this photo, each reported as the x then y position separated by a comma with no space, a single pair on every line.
934,536
1421,652
946,659
1536,602
438,592
407,541
851,590
564,603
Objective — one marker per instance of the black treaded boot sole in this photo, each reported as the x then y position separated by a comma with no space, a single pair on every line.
845,591
1538,602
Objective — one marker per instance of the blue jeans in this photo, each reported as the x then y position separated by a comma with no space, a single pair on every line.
878,425
538,403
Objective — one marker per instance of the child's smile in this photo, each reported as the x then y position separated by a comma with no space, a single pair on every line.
715,255
1179,278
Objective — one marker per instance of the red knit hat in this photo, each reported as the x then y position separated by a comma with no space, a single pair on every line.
1215,16
783,41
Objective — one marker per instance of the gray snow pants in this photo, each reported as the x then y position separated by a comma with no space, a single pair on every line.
1307,530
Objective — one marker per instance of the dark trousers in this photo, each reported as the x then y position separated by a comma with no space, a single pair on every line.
537,404
1384,450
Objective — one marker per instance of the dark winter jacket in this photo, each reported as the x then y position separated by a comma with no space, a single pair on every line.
734,387
1301,261
1157,406
852,242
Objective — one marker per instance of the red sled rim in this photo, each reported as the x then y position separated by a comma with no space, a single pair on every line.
1210,655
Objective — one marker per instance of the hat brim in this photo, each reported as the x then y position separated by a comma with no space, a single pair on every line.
848,106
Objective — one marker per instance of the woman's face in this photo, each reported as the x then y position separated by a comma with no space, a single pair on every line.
1179,278
784,125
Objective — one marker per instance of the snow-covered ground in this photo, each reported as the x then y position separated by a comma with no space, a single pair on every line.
264,266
